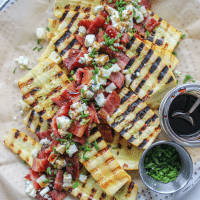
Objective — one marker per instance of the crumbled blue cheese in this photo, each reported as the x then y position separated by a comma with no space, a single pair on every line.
110,88
125,71
67,180
41,33
76,109
30,190
64,122
83,178
177,73
100,99
60,163
82,30
15,118
115,68
81,60
89,40
22,62
55,57
137,74
102,81
60,148
34,153
72,149
90,48
128,80
116,44
16,82
104,72
45,141
44,191
101,59
98,9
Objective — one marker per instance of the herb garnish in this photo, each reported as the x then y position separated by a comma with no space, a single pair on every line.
38,41
49,170
187,78
48,29
23,162
46,181
174,53
59,126
14,70
182,36
40,48
163,163
84,115
75,185
96,145
34,48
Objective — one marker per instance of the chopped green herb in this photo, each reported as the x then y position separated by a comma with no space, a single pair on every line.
86,121
72,72
177,81
139,6
61,140
48,29
96,145
137,17
54,150
79,155
85,101
93,53
59,126
69,135
187,78
174,53
178,43
84,115
52,135
46,181
40,48
100,29
106,67
107,77
55,172
114,147
112,48
71,79
75,185
69,113
29,68
110,1
69,164
148,34
135,30
82,90
129,71
114,60
34,48
38,41
23,162
101,87
14,70
71,120
182,36
49,170
108,19
86,158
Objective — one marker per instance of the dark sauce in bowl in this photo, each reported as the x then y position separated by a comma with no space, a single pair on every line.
180,126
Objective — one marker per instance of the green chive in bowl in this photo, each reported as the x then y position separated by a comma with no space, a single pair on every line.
165,167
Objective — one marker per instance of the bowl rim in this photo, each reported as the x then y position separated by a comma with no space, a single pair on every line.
171,143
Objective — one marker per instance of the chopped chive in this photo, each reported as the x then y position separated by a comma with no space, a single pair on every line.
79,155
71,79
23,162
29,68
40,48
110,1
75,185
38,41
86,121
187,78
72,72
48,29
96,145
14,70
46,181
182,36
86,158
54,149
34,48
55,172
59,126
108,19
101,87
148,34
49,170
174,53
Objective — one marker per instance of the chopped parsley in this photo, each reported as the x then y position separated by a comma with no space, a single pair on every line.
93,53
84,101
182,36
82,90
114,60
101,87
52,135
129,71
114,147
110,1
29,68
75,185
38,41
96,145
49,170
14,70
177,81
79,155
174,53
86,158
48,29
106,67
55,172
187,78
40,48
54,150
69,135
61,140
69,164
34,48
46,181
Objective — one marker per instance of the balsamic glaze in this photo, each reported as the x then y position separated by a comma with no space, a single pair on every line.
180,126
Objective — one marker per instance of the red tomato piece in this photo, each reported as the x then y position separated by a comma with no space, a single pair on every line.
118,79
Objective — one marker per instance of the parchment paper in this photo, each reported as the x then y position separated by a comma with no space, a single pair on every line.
17,38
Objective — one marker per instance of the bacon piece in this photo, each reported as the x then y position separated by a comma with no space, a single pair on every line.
57,195
73,59
79,75
151,24
34,176
86,23
102,114
75,168
104,13
58,180
123,59
77,129
39,197
40,165
140,28
125,38
107,50
100,35
81,140
96,119
83,76
59,101
96,25
106,131
146,4
118,79
43,153
112,103
45,134
28,177
111,31
80,39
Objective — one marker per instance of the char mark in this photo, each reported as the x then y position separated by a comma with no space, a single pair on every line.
160,41
170,80
67,34
155,65
94,130
144,142
69,46
64,15
128,46
17,133
131,139
162,73
137,90
139,49
73,20
131,61
37,129
31,118
126,97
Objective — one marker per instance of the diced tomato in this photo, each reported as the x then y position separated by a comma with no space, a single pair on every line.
45,134
146,4
74,168
81,140
112,102
59,101
73,61
34,176
107,50
105,26
125,38
100,36
79,75
96,25
111,31
58,180
151,24
118,79
123,59
137,35
40,165
57,195
106,131
77,129
80,39
86,23
88,129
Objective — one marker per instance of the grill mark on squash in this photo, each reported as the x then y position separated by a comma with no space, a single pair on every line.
162,73
31,118
64,15
131,42
66,35
69,46
73,20
131,61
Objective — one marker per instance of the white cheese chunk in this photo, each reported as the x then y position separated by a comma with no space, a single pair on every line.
83,178
89,40
89,94
60,148
88,59
45,141
139,17
98,9
102,81
115,68
22,61
81,60
143,11
127,80
177,73
137,74
63,122
41,33
34,153
60,163
44,191
72,149
30,190
15,118
100,99
41,179
67,179
102,59
55,57
82,30
23,105
110,88
95,46
16,82
104,72
125,71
